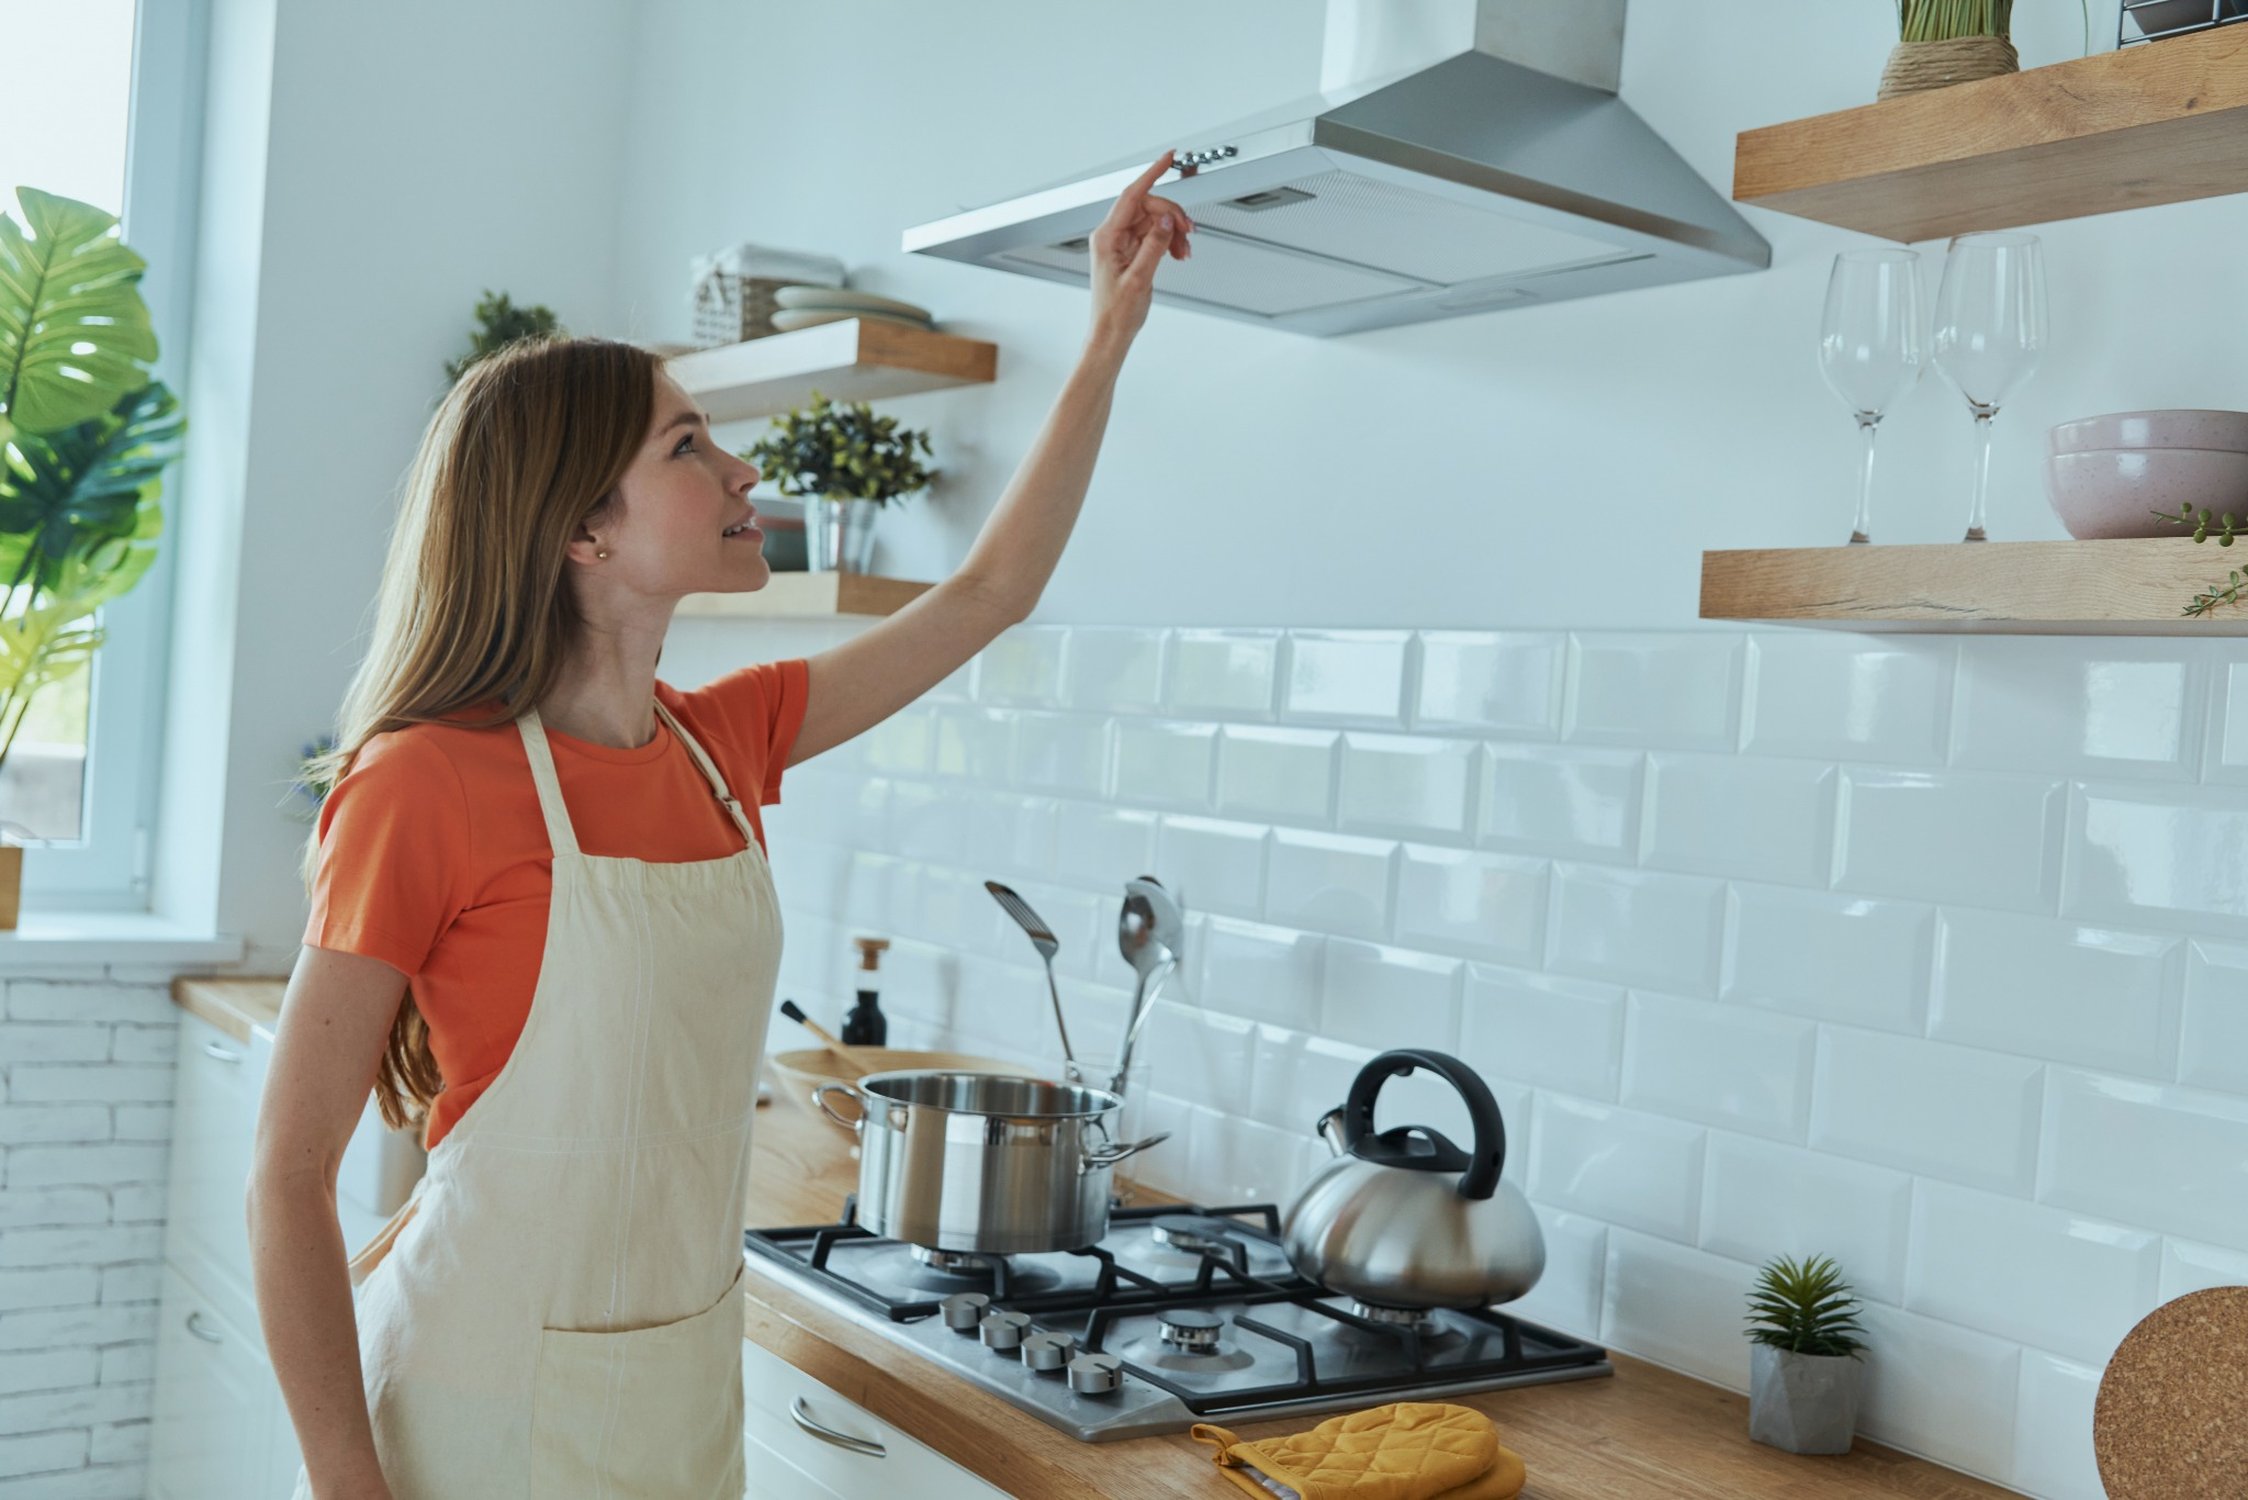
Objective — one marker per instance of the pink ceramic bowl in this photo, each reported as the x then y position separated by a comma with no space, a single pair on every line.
2183,427
2114,492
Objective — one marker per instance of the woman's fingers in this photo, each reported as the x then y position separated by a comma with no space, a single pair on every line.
1128,202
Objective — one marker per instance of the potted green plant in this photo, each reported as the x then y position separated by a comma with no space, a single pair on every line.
847,463
1943,42
1804,1368
499,323
85,436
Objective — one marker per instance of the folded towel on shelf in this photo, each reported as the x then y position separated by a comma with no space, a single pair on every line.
1408,1450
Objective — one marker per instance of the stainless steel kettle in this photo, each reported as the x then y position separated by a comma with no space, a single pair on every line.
1406,1219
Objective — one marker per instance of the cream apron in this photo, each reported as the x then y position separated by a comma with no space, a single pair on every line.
557,1312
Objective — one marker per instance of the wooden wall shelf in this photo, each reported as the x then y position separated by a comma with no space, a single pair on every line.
809,596
859,359
2159,123
2003,588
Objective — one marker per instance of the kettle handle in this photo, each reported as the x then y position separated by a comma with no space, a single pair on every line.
1481,1179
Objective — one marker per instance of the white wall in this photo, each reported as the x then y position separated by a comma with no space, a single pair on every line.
1923,952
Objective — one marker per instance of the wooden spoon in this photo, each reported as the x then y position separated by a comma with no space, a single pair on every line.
851,1066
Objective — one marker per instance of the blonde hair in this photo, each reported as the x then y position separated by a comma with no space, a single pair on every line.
531,443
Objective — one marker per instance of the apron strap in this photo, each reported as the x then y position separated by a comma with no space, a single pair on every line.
560,836
710,773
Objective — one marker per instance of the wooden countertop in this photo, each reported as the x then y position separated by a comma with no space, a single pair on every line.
1646,1434
234,1006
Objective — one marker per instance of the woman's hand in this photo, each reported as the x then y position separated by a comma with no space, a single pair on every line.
1128,246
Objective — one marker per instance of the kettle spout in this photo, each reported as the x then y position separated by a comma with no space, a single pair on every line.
1330,1129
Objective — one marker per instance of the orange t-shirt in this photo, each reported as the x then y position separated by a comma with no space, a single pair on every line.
434,856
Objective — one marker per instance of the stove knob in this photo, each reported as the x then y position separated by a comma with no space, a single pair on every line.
1004,1330
1096,1374
964,1310
1049,1352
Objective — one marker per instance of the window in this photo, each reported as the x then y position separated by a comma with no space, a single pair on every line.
104,105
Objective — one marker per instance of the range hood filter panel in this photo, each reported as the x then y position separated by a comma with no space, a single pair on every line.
1237,274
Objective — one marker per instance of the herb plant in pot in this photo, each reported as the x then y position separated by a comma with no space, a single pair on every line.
847,463
1804,1369
85,437
1943,42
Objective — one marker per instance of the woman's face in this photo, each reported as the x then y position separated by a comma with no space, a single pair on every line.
685,525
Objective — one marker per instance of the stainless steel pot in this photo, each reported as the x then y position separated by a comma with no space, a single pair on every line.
980,1161
1406,1219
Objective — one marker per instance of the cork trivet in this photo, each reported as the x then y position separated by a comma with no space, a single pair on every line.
2172,1416
1915,67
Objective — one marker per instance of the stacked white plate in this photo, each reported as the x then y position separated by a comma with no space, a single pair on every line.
810,306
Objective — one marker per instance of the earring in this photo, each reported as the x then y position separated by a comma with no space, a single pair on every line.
602,553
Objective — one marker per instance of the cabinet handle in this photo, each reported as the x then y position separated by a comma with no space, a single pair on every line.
222,1052
196,1326
802,1416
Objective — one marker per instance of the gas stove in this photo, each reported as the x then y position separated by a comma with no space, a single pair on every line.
1181,1314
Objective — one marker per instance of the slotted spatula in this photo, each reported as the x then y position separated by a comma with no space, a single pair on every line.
1042,938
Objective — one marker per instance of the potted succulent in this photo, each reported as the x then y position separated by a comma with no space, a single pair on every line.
85,437
1943,42
847,463
1804,1369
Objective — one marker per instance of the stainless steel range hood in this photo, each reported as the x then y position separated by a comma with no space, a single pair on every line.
1506,174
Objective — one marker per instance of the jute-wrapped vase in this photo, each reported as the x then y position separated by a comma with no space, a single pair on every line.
1918,66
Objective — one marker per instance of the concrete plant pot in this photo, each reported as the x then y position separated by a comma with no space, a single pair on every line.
1803,1403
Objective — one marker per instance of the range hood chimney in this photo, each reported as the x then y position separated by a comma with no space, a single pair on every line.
1462,156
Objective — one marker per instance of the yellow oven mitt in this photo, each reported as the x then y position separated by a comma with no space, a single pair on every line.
1408,1450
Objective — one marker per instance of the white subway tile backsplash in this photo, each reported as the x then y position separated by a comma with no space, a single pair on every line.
1204,1057
1942,1111
1010,833
1103,846
1165,764
2188,1267
1568,1296
1231,1160
1831,697
2028,1273
1489,905
1345,676
1501,684
1618,1165
1023,666
1284,774
1751,819
1061,753
1381,997
2053,1429
1999,837
2156,857
927,823
1113,670
1637,927
1212,865
1568,802
1330,883
1832,957
1553,1033
1677,1306
2053,989
2081,706
2227,759
2168,1158
1680,692
1761,1200
1227,674
1723,1065
1265,973
903,744
2213,1043
1406,785
1299,1076
977,743
1938,1390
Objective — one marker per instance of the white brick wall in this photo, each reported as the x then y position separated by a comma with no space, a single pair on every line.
85,1126
1929,953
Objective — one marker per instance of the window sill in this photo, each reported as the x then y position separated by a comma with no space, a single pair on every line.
101,939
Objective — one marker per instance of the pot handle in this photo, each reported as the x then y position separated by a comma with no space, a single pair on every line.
1109,1156
819,1101
1481,1177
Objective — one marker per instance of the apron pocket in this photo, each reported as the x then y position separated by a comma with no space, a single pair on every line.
653,1413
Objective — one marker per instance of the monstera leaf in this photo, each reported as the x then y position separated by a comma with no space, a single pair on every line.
74,333
63,494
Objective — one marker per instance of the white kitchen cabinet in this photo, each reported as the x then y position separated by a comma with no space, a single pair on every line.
216,1406
859,1457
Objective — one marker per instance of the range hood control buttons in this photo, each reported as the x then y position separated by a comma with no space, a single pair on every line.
1189,162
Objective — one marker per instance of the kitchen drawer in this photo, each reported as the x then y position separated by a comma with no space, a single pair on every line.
905,1466
213,1122
220,1430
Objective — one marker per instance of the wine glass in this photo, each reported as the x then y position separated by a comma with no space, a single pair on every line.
1870,346
1990,333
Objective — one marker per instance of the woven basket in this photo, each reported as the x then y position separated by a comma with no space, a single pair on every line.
1915,67
730,309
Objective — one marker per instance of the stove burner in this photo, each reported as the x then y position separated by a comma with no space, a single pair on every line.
955,1262
902,1271
1191,1233
1419,1319
1191,1329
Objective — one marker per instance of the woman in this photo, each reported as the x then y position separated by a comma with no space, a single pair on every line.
530,921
